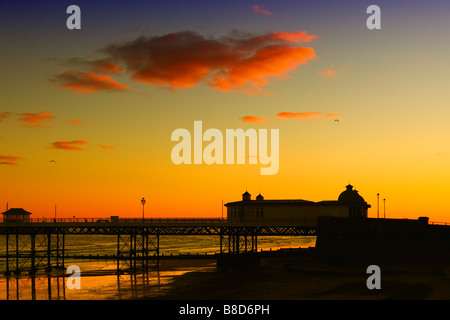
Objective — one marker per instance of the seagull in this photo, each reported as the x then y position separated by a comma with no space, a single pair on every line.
336,120
52,161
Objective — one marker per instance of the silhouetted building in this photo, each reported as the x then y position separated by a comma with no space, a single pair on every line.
349,204
16,215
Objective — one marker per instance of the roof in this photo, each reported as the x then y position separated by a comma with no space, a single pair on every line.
350,195
298,202
16,211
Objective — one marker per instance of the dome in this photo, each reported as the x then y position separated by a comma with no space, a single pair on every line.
246,196
259,197
350,195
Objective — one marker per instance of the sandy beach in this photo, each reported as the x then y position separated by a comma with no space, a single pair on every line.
297,277
284,277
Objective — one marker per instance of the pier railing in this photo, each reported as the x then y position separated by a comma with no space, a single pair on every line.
125,220
169,221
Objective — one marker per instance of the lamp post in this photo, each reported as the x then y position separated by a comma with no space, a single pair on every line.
384,208
143,203
378,205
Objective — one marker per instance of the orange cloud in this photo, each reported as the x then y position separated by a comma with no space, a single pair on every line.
9,160
88,82
238,62
260,9
34,119
333,115
105,66
254,119
3,115
97,66
106,147
327,73
298,115
75,122
297,36
68,145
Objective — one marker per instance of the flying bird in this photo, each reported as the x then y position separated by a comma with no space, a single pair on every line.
52,161
336,120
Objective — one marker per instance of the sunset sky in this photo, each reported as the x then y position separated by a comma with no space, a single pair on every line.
103,101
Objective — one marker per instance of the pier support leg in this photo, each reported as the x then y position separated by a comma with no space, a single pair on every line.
63,250
17,271
157,250
33,254
49,253
7,272
133,251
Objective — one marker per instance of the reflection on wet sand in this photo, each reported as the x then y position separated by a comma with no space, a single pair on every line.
99,284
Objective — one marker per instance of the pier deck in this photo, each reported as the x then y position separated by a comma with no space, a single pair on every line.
34,245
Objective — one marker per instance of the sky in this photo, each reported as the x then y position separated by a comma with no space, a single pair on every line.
86,115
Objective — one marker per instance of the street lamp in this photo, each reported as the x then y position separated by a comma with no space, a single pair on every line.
143,203
378,205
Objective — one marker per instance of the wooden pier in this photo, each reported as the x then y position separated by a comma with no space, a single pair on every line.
41,245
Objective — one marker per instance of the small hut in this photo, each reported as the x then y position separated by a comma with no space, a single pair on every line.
16,215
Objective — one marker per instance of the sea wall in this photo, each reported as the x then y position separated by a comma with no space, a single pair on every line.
369,239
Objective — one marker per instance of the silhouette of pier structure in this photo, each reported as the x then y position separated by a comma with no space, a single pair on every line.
53,287
41,245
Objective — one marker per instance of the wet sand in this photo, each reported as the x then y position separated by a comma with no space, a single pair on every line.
287,277
99,281
294,277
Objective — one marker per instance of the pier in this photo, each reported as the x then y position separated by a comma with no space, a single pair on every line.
40,244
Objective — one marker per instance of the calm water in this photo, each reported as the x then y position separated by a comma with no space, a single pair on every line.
98,278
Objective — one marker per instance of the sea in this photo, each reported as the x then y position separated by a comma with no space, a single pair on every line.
98,278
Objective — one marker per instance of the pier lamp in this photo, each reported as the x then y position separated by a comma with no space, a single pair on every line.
143,204
378,205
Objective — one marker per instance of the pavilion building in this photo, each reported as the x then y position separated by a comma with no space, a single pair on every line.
16,215
349,204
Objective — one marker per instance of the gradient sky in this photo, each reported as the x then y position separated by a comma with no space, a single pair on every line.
103,101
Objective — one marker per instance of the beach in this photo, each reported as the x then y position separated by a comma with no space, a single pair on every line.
99,281
278,277
299,278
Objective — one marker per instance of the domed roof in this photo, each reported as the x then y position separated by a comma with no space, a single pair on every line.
246,196
350,195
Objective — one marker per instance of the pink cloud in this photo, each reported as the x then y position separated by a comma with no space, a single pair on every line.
260,9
